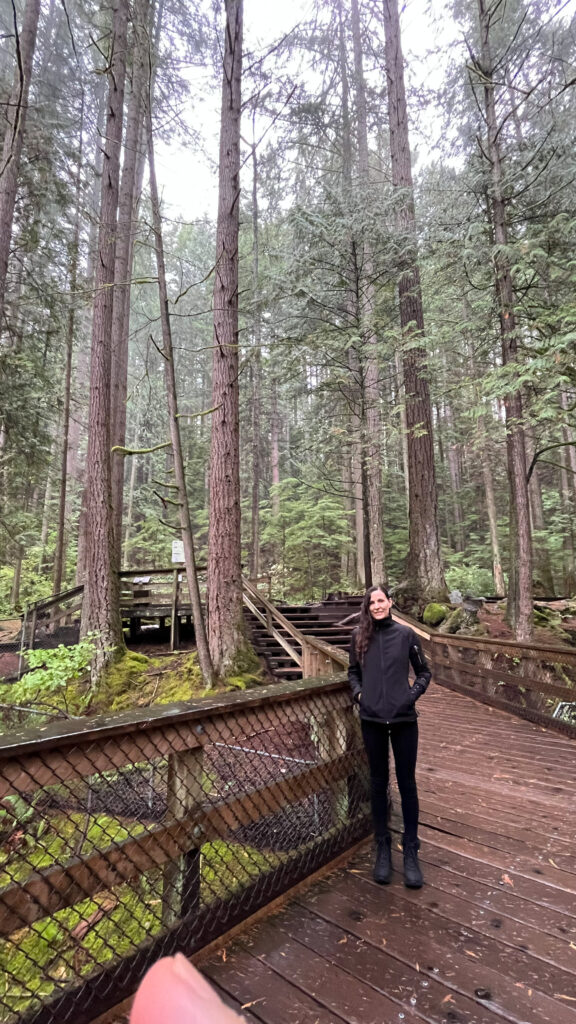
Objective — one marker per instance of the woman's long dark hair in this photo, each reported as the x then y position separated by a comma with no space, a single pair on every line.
365,626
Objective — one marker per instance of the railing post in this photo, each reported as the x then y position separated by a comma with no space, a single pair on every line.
33,622
330,735
181,877
174,624
310,666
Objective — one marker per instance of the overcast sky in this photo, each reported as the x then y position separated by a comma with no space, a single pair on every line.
189,182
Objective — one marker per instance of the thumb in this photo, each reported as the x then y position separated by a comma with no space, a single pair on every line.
174,992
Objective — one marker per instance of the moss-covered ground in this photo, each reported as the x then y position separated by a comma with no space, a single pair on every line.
35,960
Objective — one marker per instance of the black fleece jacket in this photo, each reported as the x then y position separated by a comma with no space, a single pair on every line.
382,678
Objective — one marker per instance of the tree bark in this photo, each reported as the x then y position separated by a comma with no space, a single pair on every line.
15,116
424,570
569,574
275,450
520,590
254,564
371,378
225,621
542,563
568,438
132,168
497,571
60,547
204,659
101,605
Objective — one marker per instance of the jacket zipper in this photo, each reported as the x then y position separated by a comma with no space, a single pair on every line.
381,661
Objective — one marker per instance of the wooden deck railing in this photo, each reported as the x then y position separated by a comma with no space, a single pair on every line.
315,656
536,682
131,837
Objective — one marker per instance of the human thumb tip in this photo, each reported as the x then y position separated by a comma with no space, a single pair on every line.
169,991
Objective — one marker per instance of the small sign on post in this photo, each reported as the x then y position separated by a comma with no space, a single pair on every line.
177,551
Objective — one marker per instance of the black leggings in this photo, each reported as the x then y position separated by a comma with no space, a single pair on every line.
404,739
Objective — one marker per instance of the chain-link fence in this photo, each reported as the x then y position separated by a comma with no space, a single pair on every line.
536,682
137,836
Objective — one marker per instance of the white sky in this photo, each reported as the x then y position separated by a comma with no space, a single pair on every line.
189,182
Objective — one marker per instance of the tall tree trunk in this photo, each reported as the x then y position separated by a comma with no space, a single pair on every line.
127,222
371,379
129,510
542,563
401,400
47,509
520,591
15,116
254,565
424,570
174,425
497,571
455,480
101,605
353,471
275,450
60,547
17,578
79,426
569,576
568,438
225,622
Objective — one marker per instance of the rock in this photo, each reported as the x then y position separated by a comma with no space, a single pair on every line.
455,597
453,623
464,621
435,613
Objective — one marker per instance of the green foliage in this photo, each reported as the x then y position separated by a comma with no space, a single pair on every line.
34,584
469,579
46,955
59,677
308,534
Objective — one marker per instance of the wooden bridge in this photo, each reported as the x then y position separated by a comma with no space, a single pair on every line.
236,829
492,935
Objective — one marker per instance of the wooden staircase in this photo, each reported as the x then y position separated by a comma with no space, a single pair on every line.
321,622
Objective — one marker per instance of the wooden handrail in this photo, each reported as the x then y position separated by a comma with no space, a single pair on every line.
335,653
294,654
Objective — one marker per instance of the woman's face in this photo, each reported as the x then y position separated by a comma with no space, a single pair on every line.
380,605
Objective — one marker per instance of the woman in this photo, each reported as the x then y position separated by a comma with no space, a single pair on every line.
381,652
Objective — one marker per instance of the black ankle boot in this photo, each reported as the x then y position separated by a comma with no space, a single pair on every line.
412,874
383,862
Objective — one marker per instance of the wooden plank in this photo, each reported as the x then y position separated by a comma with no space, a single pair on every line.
529,683
384,972
251,983
500,899
31,772
319,978
430,918
366,913
514,847
65,734
59,887
53,889
516,647
510,932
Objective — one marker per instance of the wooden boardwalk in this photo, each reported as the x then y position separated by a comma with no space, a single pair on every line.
492,935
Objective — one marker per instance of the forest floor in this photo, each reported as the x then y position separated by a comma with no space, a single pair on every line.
493,615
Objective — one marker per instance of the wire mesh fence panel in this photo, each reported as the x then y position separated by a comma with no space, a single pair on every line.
145,834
